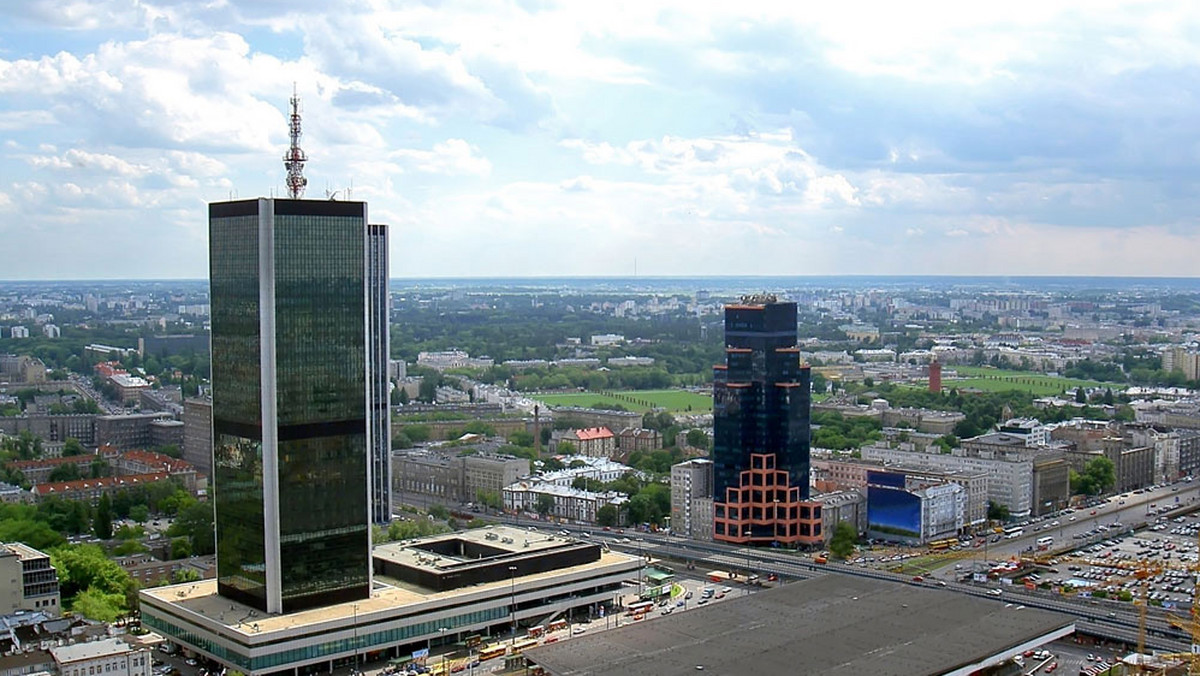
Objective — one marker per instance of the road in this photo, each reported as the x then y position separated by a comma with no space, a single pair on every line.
1092,617
1131,514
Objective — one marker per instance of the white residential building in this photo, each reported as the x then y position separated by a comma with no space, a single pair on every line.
692,499
110,657
597,469
569,503
51,331
607,339
20,332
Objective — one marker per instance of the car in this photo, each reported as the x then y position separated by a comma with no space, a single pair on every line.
190,662
994,592
1071,519
720,596
702,601
688,595
577,631
1091,657
1051,667
458,668
680,604
726,590
918,578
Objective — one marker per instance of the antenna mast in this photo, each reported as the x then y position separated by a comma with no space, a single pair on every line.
295,158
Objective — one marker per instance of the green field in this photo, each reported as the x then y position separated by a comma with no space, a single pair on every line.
998,380
673,401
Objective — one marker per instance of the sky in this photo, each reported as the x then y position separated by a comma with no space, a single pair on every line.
542,138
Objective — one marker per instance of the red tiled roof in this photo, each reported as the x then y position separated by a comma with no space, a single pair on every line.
590,433
162,461
103,482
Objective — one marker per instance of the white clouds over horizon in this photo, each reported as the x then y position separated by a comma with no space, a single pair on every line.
535,137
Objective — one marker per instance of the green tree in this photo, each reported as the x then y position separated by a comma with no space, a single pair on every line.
86,568
607,515
1080,395
181,548
544,504
139,513
439,512
127,547
1099,475
184,575
565,448
72,447
195,522
102,520
1108,397
841,544
68,471
997,511
97,605
696,438
35,533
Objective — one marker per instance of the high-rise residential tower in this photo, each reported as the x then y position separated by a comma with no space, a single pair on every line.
379,417
289,383
761,398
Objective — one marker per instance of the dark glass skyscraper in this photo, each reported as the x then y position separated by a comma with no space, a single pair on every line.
378,346
290,435
761,398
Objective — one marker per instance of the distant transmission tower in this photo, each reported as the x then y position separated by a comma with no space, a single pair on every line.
295,158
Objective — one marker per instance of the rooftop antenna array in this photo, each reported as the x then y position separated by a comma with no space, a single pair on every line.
295,158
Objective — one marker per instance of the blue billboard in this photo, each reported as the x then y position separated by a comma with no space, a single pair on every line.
894,512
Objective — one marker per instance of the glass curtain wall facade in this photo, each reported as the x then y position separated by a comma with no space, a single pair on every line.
761,398
379,412
288,293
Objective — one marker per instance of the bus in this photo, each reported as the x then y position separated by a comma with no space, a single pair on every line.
536,632
492,652
1014,532
639,608
940,545
1044,543
520,646
556,625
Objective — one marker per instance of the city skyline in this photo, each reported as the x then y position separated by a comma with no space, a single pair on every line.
675,139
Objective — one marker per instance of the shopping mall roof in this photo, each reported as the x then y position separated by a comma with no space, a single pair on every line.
832,624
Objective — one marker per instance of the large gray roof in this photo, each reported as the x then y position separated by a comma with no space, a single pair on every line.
832,624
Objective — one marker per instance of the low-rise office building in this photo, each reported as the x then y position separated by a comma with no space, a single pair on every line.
429,592
27,580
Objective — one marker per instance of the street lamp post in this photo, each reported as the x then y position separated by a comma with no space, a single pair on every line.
512,600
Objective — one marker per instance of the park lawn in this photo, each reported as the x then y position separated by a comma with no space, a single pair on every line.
1039,384
640,401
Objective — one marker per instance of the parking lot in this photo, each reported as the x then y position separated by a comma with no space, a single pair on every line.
1114,562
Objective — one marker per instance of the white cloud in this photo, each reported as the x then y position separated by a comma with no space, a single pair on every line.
704,136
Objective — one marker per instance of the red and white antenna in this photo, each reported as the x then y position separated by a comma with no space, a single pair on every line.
295,158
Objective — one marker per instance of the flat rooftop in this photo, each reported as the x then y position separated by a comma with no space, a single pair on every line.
832,624
388,597
436,551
